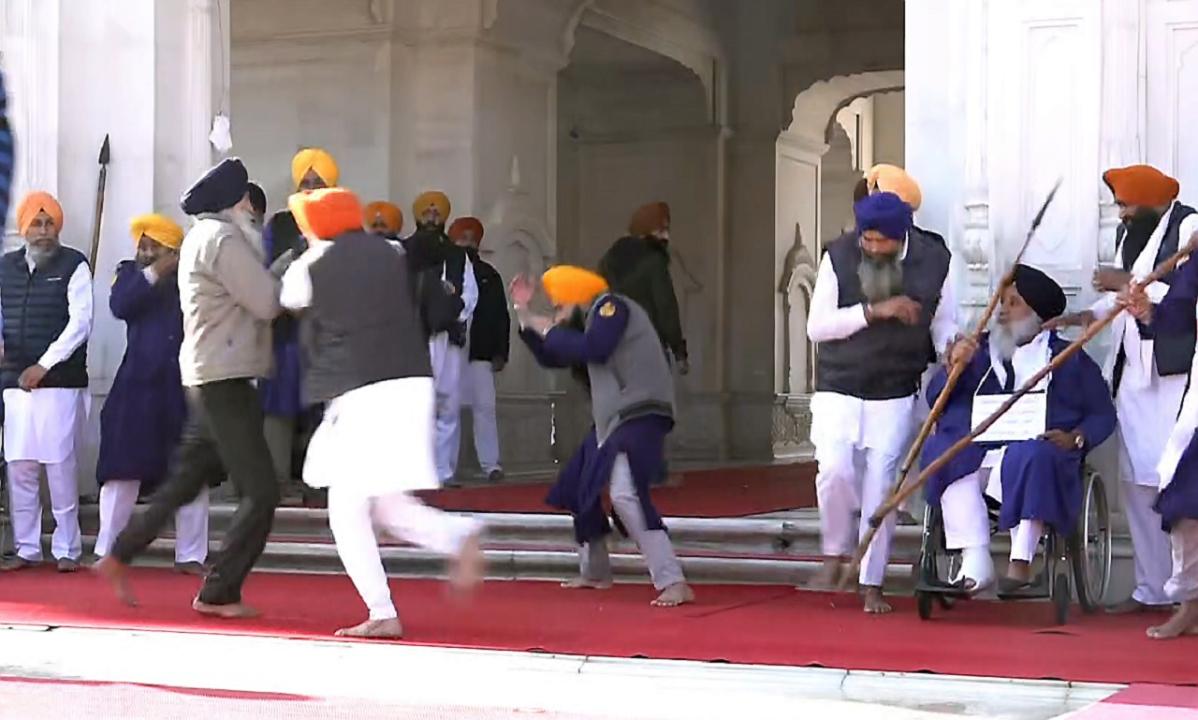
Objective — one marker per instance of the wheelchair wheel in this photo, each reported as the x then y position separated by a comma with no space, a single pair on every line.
1061,598
1090,546
923,602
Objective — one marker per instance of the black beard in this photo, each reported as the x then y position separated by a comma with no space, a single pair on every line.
881,279
1139,229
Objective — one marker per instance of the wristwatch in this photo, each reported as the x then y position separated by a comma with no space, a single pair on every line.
1079,440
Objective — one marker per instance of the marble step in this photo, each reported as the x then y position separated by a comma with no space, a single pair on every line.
790,538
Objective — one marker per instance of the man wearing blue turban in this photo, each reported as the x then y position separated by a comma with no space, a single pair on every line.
881,296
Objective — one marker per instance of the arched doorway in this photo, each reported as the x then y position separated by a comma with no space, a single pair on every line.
817,161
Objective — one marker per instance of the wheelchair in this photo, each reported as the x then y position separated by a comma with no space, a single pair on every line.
1083,557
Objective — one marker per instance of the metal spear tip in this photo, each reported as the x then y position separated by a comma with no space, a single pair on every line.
1047,201
105,151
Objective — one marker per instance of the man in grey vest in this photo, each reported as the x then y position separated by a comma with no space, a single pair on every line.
228,298
632,405
1148,374
46,310
875,309
366,359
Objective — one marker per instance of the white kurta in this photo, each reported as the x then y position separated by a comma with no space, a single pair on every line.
42,425
1146,403
378,438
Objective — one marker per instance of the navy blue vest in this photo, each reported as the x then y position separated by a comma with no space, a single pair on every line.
886,359
36,312
1173,352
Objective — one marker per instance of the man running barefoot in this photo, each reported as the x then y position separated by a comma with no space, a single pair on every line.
367,360
632,403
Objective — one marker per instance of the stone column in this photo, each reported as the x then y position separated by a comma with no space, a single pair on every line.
29,45
977,244
1122,109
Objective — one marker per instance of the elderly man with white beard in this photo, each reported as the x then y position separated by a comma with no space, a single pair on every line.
881,296
228,299
1033,469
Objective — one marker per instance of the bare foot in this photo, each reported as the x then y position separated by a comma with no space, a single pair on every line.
1183,622
466,570
390,628
826,577
226,611
117,575
581,583
675,595
875,603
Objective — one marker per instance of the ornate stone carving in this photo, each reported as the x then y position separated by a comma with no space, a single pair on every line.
791,427
977,245
796,286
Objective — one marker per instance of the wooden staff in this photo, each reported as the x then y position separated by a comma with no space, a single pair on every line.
876,520
105,154
957,369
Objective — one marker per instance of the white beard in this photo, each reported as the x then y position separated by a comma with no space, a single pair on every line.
1006,338
249,228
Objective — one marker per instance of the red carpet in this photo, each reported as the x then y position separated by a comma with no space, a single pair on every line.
732,492
742,624
1144,702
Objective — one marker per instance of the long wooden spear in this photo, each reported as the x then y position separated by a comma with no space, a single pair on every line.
879,516
105,153
957,369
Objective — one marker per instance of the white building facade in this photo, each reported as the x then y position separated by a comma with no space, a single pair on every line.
552,120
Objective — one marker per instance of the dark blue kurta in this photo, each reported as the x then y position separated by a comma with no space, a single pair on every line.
1175,314
143,416
1039,480
280,393
582,482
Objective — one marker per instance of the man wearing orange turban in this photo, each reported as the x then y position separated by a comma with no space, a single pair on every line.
632,407
448,336
1149,374
490,330
44,378
383,218
142,419
368,363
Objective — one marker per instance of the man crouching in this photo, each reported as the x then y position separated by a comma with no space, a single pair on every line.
632,404
367,360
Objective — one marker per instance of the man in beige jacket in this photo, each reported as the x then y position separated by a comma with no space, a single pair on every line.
228,300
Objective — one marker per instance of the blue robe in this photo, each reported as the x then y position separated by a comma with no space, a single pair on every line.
581,484
1175,313
1039,480
143,416
280,393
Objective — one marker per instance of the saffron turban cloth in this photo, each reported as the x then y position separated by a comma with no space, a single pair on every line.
885,212
891,178
316,160
466,224
34,203
257,197
570,285
431,199
389,212
219,189
1141,185
1039,291
648,219
326,213
159,228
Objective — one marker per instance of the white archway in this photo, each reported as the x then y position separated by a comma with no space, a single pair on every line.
798,196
